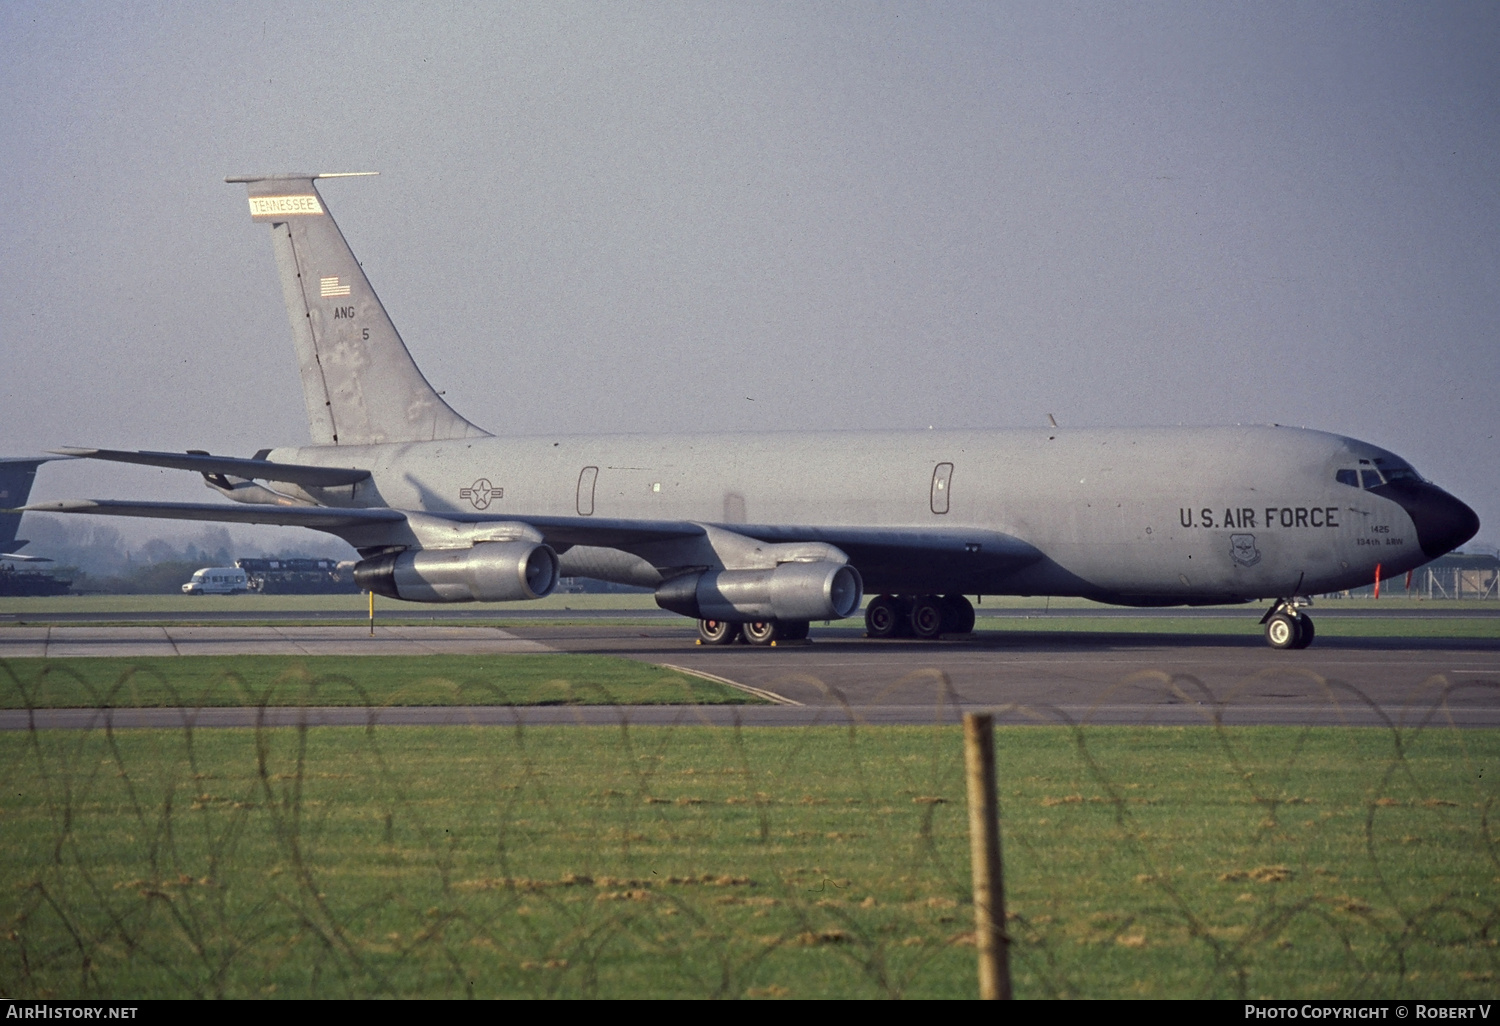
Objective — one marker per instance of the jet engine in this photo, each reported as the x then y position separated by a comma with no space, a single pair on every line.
487,572
792,591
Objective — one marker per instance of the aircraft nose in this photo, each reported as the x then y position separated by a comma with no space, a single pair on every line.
1443,523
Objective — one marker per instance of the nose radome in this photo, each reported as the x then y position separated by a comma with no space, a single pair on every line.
1443,523
1449,524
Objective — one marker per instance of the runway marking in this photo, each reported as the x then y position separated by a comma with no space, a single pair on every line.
282,634
769,696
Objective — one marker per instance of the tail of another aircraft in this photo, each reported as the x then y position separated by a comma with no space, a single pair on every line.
359,382
16,476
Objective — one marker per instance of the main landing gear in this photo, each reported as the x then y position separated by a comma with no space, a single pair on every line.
918,616
756,632
1287,626
889,616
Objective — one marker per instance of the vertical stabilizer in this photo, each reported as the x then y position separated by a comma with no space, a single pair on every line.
16,476
359,382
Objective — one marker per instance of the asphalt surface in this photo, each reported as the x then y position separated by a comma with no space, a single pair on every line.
1024,676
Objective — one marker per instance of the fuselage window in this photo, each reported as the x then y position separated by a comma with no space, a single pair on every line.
1348,477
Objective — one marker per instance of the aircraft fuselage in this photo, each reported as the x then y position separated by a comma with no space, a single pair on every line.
1139,516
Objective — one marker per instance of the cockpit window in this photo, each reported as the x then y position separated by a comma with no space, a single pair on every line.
1365,477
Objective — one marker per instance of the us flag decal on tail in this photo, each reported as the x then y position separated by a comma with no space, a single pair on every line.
330,287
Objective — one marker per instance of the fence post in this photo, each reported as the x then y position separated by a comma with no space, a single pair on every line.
984,853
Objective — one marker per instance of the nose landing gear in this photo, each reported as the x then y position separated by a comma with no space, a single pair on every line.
1287,627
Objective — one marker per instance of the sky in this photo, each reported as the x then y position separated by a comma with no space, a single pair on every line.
668,217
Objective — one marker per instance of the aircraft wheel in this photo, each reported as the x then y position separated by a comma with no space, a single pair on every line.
1282,632
927,617
883,617
761,632
1305,631
718,632
958,615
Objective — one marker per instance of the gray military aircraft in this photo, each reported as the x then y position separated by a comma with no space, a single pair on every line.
756,535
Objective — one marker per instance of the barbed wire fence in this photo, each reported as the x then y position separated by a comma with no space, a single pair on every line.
735,861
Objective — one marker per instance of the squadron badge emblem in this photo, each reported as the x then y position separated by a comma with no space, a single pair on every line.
481,493
1242,547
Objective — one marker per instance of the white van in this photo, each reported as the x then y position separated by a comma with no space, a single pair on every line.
218,580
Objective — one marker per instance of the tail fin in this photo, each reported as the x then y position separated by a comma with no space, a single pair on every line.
358,380
16,475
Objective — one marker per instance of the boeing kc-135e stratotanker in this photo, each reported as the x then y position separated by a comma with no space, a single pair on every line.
756,535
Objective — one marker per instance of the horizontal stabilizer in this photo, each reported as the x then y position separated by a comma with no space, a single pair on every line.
261,470
246,179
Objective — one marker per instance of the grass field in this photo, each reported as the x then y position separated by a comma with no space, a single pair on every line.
817,862
698,862
194,681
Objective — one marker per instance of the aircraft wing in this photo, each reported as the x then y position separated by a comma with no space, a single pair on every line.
377,526
915,558
249,469
319,518
880,553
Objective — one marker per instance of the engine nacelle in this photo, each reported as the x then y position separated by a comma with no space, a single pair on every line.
487,572
791,591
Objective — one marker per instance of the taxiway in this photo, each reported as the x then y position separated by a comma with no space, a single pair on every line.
1027,676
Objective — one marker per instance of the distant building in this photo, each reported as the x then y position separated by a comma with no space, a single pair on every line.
1457,575
299,576
30,584
589,586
